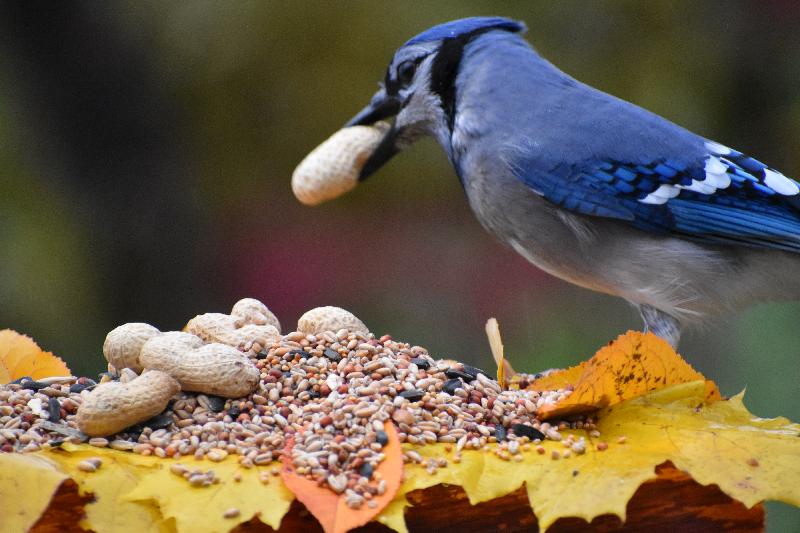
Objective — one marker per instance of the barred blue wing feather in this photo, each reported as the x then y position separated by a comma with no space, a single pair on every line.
725,198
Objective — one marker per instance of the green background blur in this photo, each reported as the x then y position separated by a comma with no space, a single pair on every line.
146,151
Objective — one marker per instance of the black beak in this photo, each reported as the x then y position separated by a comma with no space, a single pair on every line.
381,106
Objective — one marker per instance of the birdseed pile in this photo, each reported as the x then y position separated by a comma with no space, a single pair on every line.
331,393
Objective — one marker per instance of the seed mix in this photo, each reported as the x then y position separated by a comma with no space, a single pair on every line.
331,394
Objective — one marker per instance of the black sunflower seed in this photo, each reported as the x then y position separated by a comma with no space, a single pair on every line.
453,373
78,387
366,470
33,385
524,430
332,354
451,385
160,421
216,403
474,371
54,409
412,395
421,363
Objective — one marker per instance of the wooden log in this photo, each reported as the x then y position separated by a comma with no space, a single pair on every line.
671,502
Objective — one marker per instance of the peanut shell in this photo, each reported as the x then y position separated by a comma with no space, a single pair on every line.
252,311
211,369
216,327
114,406
329,318
123,344
333,167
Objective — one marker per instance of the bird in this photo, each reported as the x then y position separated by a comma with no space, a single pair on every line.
588,187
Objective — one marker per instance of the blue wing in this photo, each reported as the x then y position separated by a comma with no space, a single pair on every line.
724,198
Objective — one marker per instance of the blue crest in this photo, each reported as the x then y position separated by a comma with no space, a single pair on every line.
459,27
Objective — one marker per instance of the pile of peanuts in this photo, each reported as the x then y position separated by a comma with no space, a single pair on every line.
208,357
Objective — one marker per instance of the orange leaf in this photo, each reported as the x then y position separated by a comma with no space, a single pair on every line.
20,356
328,507
559,379
634,364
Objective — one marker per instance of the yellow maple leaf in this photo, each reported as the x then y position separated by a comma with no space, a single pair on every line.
718,442
662,426
749,458
20,356
634,364
34,477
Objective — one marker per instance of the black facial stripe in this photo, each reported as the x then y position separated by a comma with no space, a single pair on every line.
445,69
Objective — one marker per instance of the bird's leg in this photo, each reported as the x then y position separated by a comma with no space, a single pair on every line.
661,324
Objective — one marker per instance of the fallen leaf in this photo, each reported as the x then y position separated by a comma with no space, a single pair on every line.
720,442
716,443
178,500
560,379
749,458
330,508
20,356
139,493
632,365
32,476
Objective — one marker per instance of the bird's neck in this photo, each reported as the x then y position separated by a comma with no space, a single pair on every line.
501,86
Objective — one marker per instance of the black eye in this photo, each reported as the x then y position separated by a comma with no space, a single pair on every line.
405,73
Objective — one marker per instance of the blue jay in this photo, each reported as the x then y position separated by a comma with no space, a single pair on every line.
588,187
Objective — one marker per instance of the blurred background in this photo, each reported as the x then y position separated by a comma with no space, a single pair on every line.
146,150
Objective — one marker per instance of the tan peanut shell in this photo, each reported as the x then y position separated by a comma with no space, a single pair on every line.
172,344
252,311
211,368
126,375
329,318
333,167
217,327
123,344
114,406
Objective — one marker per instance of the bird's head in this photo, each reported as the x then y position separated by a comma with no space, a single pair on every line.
419,86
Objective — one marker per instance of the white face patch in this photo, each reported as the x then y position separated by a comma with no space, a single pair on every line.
780,183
